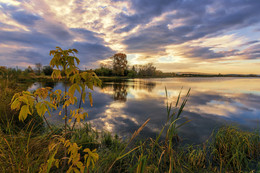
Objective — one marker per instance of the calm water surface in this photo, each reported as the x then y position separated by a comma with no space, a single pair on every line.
122,107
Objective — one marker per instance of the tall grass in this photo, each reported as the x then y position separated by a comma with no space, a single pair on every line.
229,150
236,150
21,152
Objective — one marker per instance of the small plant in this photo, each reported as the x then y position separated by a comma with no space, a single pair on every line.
74,159
173,115
45,100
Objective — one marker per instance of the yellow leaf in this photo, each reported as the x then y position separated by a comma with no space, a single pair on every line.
76,170
84,96
16,104
57,163
23,113
90,98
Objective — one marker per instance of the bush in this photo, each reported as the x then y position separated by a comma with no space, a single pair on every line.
47,70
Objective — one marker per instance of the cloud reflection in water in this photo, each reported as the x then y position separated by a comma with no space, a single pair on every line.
122,107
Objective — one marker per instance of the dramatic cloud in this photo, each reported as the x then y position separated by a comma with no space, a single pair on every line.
88,55
191,35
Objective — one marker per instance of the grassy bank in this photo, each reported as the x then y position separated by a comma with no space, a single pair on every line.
230,150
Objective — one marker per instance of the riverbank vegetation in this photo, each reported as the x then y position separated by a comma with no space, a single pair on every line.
117,68
29,143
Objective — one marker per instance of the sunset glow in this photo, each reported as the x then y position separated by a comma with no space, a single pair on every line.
204,36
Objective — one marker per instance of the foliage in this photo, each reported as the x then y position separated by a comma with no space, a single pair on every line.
74,160
119,63
64,60
26,102
47,70
28,72
104,71
29,69
38,67
146,70
9,121
44,100
9,73
132,73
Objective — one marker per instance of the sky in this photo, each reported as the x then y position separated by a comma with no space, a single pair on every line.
206,36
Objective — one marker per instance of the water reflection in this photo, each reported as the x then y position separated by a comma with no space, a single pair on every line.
42,84
120,89
121,107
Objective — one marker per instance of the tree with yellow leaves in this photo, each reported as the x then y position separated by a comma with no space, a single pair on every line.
119,63
44,100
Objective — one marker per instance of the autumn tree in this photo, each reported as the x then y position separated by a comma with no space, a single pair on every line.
28,69
147,70
38,67
119,63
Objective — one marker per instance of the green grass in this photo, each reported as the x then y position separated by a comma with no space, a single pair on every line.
230,150
236,150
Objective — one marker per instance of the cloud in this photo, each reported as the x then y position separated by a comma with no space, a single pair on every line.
34,39
56,30
197,21
175,67
89,52
205,53
24,57
252,52
87,35
250,43
190,31
43,33
145,10
6,26
25,18
6,8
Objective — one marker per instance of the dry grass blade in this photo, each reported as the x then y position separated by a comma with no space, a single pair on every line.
127,153
139,130
133,136
161,158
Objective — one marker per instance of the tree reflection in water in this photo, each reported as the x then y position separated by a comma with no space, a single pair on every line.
120,89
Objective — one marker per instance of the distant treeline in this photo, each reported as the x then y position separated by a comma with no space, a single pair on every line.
117,68
148,70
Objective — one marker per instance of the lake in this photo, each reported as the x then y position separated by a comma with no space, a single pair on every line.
121,107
